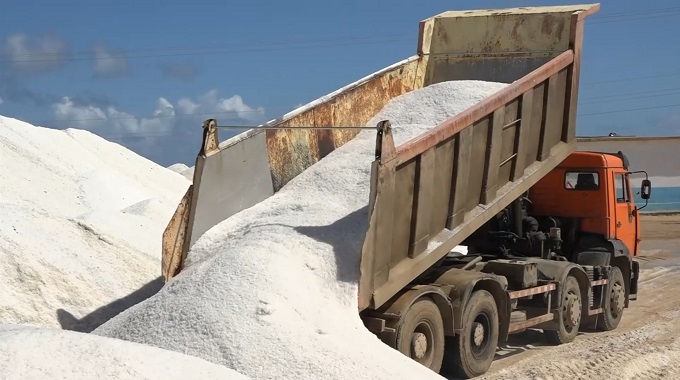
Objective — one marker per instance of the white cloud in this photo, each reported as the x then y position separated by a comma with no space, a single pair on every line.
34,54
111,121
84,117
211,105
107,64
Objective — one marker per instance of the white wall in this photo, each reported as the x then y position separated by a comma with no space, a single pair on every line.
659,156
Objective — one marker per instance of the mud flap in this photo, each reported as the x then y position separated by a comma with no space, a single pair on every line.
635,274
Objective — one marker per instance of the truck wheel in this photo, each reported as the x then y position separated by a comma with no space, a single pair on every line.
470,353
571,314
613,308
420,335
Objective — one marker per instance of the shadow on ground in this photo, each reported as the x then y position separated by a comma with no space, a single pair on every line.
521,342
98,317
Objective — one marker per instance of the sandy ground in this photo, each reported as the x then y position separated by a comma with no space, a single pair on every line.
646,345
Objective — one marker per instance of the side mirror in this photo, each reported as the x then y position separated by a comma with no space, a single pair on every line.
646,189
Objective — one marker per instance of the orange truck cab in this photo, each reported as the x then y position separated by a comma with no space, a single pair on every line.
591,193
582,211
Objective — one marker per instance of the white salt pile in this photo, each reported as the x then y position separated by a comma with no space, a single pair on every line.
272,291
186,171
81,223
44,353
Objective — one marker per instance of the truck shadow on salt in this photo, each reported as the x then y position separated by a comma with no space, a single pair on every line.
99,316
346,236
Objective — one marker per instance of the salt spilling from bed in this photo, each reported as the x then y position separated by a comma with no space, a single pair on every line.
272,291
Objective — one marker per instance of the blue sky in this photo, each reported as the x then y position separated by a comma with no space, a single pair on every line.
69,64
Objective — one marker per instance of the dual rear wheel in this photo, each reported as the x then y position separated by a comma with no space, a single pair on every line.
469,354
572,309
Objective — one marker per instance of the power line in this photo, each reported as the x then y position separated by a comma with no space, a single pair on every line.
629,110
635,15
629,13
635,78
365,41
219,47
631,93
635,97
636,18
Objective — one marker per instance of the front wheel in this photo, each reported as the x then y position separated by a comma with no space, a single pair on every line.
614,302
420,335
470,353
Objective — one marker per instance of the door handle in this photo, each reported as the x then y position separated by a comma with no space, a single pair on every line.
618,224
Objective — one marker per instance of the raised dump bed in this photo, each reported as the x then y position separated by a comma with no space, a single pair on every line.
522,132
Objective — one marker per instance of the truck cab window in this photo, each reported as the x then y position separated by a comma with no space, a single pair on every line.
581,181
621,191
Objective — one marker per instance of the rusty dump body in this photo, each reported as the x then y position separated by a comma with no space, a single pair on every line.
430,193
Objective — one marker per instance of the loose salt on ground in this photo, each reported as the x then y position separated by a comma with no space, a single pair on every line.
81,222
272,291
44,353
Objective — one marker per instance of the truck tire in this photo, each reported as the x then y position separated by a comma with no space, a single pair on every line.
570,316
470,353
614,302
420,335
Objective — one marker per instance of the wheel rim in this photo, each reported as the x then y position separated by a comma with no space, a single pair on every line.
616,299
571,311
479,335
422,343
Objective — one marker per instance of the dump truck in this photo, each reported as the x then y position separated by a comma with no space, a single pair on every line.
551,232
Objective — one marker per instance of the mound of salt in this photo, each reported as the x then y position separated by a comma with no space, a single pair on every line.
44,353
272,291
186,171
81,222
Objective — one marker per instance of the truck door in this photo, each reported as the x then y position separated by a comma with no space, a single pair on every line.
625,215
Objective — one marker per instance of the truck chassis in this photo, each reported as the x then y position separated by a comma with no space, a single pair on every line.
465,307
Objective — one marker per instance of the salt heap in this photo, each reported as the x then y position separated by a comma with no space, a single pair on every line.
186,171
81,223
44,353
272,291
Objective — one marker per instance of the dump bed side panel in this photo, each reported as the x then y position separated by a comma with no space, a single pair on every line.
433,191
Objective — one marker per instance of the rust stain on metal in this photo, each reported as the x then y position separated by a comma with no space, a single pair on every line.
531,322
531,291
553,25
292,151
174,237
210,138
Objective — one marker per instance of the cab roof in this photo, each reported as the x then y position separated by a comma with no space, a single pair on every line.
581,159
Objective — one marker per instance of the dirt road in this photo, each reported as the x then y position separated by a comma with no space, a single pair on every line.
646,345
